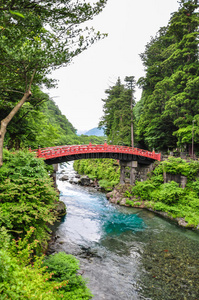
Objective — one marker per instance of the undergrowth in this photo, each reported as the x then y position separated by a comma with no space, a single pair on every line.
27,276
106,171
27,205
170,197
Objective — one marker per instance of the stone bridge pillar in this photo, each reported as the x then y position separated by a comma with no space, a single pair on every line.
128,170
55,169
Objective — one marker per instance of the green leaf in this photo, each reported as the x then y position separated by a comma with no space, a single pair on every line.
16,13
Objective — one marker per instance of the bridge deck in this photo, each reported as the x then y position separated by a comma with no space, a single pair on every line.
71,150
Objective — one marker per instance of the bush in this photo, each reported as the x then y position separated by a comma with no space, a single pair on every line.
143,190
24,276
168,193
27,196
64,268
28,199
21,280
22,164
169,197
105,184
107,171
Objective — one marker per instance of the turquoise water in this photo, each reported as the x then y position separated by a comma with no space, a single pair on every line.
127,253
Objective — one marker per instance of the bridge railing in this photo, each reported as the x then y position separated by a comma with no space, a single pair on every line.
66,150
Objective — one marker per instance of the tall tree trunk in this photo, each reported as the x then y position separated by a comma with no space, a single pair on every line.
132,133
6,121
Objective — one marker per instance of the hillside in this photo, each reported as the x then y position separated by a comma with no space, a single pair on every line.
95,131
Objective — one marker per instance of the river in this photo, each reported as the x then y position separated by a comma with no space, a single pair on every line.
125,253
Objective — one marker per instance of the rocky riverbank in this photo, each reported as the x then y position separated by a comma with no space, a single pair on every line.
118,196
83,180
169,262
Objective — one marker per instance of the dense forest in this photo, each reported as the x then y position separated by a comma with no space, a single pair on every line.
36,38
167,113
27,208
43,125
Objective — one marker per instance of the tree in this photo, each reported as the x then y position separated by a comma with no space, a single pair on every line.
35,38
130,80
171,85
117,116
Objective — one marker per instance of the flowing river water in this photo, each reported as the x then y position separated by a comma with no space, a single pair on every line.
125,253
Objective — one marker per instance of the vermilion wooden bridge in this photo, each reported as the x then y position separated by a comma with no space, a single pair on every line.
54,155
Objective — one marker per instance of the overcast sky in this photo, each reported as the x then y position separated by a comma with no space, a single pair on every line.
130,25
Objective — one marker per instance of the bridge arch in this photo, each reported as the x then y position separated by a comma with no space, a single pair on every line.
130,158
53,155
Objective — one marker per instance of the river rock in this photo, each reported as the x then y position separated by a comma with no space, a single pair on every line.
114,196
84,180
64,178
73,180
61,208
182,222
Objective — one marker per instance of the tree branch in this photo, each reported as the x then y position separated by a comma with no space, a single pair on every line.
39,102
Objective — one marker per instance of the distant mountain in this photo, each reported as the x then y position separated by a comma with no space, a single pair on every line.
95,131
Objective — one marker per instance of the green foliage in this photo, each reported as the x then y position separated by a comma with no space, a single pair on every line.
39,123
107,171
86,139
169,102
117,112
23,275
177,166
143,190
27,196
169,197
64,268
26,207
106,185
22,164
127,194
168,193
130,202
35,39
42,123
194,186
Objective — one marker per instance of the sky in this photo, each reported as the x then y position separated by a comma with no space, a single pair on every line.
130,24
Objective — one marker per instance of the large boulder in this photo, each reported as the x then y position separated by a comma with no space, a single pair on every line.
61,208
84,180
64,178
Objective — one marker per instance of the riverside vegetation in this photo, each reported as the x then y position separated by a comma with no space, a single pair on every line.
153,193
106,171
28,54
28,204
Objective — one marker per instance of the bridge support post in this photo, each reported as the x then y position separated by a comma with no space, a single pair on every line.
128,169
55,169
122,172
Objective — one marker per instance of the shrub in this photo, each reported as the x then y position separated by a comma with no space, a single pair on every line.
105,184
168,193
107,171
194,186
22,164
64,268
143,190
127,194
19,279
27,196
24,276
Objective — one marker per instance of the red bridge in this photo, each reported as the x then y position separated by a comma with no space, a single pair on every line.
54,155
